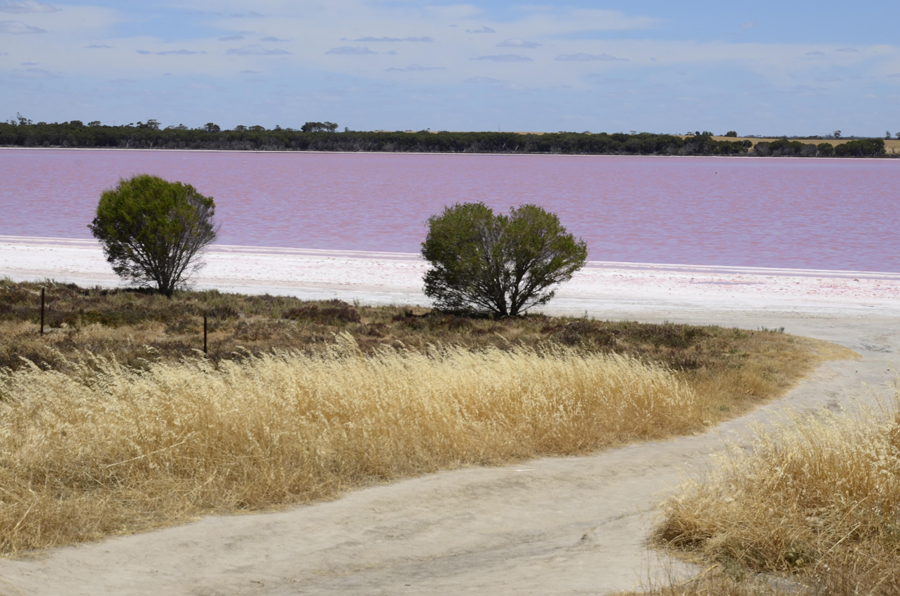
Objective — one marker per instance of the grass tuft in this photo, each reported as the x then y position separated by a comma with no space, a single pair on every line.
817,499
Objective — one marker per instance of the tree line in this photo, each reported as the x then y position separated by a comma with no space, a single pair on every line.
319,136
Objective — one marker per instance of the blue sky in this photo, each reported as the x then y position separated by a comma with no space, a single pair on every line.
789,67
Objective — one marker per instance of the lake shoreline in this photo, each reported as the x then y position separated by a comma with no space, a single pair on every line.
621,289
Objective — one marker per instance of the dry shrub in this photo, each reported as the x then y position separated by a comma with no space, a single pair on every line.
108,448
817,498
714,581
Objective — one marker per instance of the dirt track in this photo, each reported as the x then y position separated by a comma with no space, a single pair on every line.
560,526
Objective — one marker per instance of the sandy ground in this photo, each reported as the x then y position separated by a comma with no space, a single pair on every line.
550,526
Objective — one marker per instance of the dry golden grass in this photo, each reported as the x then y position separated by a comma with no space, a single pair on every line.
818,499
738,368
107,449
121,426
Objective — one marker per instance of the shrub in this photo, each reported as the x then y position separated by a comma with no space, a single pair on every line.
152,230
497,264
860,148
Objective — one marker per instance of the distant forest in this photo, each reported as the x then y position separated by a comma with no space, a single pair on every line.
318,136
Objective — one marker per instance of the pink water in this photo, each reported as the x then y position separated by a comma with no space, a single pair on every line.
796,213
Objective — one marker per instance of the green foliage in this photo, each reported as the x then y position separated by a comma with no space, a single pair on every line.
153,230
322,136
825,149
497,264
319,127
860,148
786,148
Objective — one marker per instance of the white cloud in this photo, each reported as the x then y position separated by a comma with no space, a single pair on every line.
416,68
484,29
492,82
256,50
231,38
485,81
350,51
169,53
815,54
246,15
504,58
98,47
19,28
847,50
748,25
606,20
394,39
273,39
34,73
518,43
582,57
204,87
25,6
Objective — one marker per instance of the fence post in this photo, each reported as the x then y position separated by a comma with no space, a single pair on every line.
204,335
42,310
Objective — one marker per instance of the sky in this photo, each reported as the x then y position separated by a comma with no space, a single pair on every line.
787,67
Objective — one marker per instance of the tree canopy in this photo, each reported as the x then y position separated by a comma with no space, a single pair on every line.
497,264
152,230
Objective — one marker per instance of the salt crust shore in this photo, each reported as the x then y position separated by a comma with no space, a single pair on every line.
626,289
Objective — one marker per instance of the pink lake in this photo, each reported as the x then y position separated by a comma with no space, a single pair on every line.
793,213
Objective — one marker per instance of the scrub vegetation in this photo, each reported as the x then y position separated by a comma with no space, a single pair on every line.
497,264
814,504
152,231
115,422
318,136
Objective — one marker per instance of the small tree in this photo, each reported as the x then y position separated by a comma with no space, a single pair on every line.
731,133
153,230
497,264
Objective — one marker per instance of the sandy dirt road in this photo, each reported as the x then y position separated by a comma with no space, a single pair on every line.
550,526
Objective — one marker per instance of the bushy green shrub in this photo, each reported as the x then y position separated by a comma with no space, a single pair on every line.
153,230
497,264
